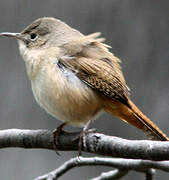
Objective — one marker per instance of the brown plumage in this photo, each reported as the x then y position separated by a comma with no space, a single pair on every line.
100,70
75,77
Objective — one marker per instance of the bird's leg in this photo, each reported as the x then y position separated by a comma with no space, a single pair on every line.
81,137
56,134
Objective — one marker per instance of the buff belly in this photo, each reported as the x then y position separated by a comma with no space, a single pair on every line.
65,96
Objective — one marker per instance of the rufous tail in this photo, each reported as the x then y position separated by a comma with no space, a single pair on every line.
134,116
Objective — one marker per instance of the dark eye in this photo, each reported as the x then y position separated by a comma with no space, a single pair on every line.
33,36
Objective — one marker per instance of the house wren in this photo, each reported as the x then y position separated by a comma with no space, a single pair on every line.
75,77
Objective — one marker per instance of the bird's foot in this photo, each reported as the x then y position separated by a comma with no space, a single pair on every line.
56,134
82,139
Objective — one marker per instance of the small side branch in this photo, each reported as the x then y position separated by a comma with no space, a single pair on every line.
115,174
122,167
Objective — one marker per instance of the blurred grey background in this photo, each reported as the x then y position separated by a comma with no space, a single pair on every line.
138,32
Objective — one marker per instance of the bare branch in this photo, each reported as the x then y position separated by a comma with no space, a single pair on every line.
95,143
115,174
123,166
118,174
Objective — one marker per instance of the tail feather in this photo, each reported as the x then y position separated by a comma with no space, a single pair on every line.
135,117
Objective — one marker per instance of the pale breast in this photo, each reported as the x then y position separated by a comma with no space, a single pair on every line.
65,96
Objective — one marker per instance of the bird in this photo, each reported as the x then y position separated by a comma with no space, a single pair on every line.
76,78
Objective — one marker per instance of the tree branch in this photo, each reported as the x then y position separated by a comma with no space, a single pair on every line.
114,174
95,143
122,166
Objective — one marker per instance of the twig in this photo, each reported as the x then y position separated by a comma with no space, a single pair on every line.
123,165
115,174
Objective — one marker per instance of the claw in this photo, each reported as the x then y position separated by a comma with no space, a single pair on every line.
82,136
82,140
56,134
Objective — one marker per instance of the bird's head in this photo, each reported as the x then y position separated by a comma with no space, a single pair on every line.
43,33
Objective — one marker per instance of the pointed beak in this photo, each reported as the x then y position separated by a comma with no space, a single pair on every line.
9,34
18,36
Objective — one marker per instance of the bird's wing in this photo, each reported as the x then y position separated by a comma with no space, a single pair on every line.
97,67
91,61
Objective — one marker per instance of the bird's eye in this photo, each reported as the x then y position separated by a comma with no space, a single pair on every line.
33,36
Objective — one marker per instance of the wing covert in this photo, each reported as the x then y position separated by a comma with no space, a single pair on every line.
99,75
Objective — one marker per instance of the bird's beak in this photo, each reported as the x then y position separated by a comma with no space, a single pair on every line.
14,35
9,34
